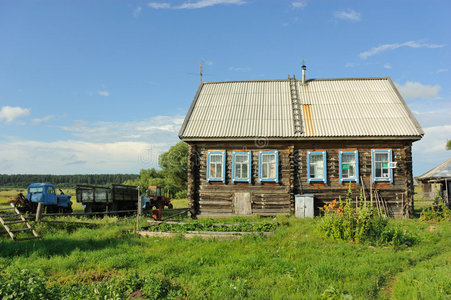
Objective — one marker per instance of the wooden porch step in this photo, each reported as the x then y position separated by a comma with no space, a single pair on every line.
17,218
7,208
16,222
7,215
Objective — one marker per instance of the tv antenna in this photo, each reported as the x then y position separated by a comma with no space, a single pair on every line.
200,71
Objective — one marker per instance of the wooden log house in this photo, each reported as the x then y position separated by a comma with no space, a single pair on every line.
254,145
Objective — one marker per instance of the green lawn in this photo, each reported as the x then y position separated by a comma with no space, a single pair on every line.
292,264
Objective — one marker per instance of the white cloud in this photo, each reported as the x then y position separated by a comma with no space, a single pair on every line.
100,147
137,11
74,157
412,90
43,119
156,5
154,129
194,5
349,14
104,93
240,69
442,70
386,47
10,113
298,4
387,66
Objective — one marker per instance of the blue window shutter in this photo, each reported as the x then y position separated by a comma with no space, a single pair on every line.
249,169
259,166
233,166
223,166
340,171
390,158
308,166
357,166
325,166
208,166
277,166
373,166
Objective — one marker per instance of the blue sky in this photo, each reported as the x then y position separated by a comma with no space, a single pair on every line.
103,86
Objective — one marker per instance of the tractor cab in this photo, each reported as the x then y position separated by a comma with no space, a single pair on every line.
155,192
42,192
157,197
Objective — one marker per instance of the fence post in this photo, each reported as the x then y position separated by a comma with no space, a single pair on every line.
139,211
39,212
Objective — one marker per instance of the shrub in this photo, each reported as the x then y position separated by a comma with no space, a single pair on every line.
181,194
438,212
343,221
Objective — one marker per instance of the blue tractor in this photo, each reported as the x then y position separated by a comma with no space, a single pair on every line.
45,193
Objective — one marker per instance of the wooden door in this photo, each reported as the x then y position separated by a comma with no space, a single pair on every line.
242,204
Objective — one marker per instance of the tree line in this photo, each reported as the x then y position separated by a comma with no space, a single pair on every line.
64,181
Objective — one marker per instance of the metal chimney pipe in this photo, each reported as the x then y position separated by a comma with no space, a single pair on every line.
303,72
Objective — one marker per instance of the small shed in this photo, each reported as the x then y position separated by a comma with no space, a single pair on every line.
254,145
438,180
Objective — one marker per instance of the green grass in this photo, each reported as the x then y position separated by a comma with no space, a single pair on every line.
292,264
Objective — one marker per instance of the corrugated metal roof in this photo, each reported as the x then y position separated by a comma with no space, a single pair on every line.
370,107
441,171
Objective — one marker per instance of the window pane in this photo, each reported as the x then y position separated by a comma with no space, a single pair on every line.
378,169
316,166
212,170
218,170
215,158
381,156
272,170
348,158
244,171
351,171
348,165
264,170
240,158
238,170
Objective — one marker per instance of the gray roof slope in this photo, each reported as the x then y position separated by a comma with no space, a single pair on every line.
366,107
441,171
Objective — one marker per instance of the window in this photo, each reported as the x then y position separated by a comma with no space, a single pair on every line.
36,190
349,166
216,161
268,166
381,165
50,190
241,166
316,166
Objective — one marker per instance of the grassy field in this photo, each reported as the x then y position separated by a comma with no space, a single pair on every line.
105,260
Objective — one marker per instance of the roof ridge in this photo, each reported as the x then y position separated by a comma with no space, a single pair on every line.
286,80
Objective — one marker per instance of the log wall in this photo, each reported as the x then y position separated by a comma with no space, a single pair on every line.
217,198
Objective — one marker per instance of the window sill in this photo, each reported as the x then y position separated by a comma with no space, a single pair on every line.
241,180
215,180
316,181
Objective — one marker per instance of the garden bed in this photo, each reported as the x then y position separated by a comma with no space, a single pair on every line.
207,229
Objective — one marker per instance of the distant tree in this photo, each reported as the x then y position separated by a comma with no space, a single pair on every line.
174,165
448,145
173,174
